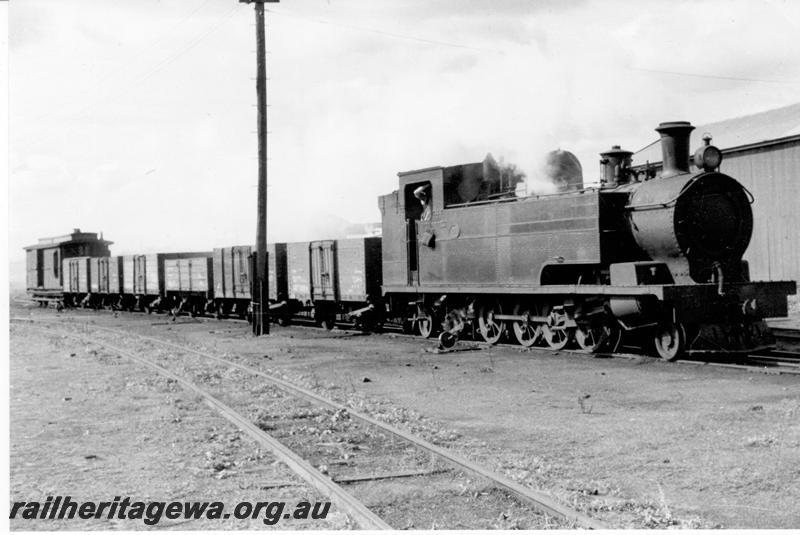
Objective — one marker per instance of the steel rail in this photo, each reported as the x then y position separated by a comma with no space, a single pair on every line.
323,484
786,333
772,369
536,500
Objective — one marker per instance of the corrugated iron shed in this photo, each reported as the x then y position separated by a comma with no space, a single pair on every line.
762,152
781,124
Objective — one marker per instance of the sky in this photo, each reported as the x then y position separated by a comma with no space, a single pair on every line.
138,119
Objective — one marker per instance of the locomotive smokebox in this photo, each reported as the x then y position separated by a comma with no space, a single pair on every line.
698,224
675,147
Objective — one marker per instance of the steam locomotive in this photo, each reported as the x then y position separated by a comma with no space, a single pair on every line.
659,255
655,255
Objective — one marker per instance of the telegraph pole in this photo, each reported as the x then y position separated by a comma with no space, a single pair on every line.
261,288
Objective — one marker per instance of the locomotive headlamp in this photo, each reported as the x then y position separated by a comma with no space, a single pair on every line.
708,157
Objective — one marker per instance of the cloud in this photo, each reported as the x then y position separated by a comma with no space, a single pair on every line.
26,24
350,107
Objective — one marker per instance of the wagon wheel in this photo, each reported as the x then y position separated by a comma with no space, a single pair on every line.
491,329
328,321
592,336
526,332
425,324
283,320
669,340
555,333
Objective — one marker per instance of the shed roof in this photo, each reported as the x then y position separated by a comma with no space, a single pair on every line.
738,132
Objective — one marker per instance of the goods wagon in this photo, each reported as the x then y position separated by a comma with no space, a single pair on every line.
189,284
105,274
331,278
298,272
144,281
91,281
76,280
233,278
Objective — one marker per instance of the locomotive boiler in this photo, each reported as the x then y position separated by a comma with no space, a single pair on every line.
655,255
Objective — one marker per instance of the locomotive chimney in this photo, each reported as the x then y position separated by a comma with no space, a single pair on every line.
615,164
675,147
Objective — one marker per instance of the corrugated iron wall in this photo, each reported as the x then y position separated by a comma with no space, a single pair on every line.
772,174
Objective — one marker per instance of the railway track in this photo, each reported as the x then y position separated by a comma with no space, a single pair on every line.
788,339
772,363
424,464
787,334
778,361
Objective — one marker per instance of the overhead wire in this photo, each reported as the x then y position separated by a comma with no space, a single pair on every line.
189,45
138,53
714,76
647,146
162,63
386,33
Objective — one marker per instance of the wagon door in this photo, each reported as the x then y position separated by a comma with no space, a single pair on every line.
241,272
34,268
140,274
185,275
84,279
74,275
323,270
102,275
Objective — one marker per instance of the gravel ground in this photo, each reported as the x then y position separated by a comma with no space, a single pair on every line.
94,432
637,443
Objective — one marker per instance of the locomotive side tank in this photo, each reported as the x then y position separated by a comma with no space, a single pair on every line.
660,256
